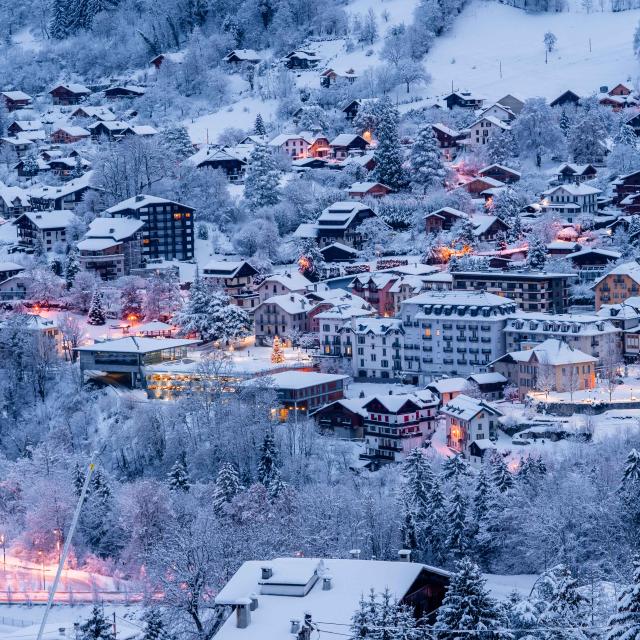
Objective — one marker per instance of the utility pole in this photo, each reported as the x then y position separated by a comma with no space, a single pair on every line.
67,544
115,631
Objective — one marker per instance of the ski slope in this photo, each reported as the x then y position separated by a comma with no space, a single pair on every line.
487,33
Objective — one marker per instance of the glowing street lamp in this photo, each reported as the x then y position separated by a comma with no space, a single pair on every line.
4,551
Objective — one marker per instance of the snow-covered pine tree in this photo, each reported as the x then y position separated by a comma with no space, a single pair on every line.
78,169
310,259
130,299
30,167
502,149
500,474
467,605
96,627
368,117
626,135
388,154
414,498
427,168
464,233
564,122
631,472
537,253
258,126
78,479
268,468
457,541
177,142
154,625
226,488
455,467
96,315
71,267
236,323
196,315
59,23
506,206
277,352
625,623
178,476
586,137
630,489
262,178
536,130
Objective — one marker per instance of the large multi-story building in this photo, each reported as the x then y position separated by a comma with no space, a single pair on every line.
532,290
168,230
452,333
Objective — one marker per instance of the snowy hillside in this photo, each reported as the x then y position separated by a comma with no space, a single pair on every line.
470,55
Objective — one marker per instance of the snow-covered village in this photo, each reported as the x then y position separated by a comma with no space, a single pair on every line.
320,320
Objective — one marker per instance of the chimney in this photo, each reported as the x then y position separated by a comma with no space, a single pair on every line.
326,583
139,198
243,615
295,625
254,602
404,555
267,572
355,553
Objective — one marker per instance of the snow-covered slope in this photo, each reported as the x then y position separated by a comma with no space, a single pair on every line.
487,33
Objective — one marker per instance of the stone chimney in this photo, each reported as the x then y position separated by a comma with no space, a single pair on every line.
327,581
267,572
254,602
243,615
404,555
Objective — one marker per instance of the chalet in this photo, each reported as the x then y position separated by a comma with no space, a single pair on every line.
571,200
620,90
499,111
446,389
301,145
303,164
618,98
19,145
66,196
338,252
562,247
488,228
397,424
235,279
490,385
630,204
476,186
501,173
15,100
46,230
351,110
591,263
361,190
326,589
367,161
14,201
242,56
342,418
112,247
69,134
301,59
622,282
93,113
443,219
447,138
286,316
175,58
567,98
576,173
332,76
67,94
126,91
626,185
463,100
375,289
18,127
225,159
281,284
9,270
486,127
469,420
168,231
551,366
338,223
111,129
66,168
512,103
347,144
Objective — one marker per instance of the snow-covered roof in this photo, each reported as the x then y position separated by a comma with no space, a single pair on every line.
75,131
10,266
73,87
115,228
496,165
110,125
493,120
394,402
350,579
132,88
224,269
291,303
630,269
460,298
16,95
355,405
138,202
144,130
28,125
282,138
340,214
48,219
244,54
102,113
449,385
361,160
132,344
10,194
97,244
492,377
576,169
152,326
52,193
446,130
553,352
466,408
363,187
302,379
581,323
343,139
482,223
608,253
573,190
293,280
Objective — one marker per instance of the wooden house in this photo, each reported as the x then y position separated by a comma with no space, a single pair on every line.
501,173
361,190
346,144
447,138
125,91
577,173
240,56
567,98
15,100
66,94
232,164
300,59
443,219
333,76
463,100
69,134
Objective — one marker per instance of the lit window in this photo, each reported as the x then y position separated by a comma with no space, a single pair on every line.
177,216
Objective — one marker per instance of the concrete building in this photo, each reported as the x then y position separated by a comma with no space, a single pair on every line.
285,316
44,229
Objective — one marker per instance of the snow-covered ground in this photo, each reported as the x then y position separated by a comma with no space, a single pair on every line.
592,50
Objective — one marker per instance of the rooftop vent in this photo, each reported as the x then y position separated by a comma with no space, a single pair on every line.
267,572
404,555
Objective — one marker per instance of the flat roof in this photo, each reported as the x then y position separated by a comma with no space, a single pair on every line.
133,344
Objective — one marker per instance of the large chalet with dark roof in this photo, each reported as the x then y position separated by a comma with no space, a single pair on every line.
626,185
66,94
463,100
568,98
500,172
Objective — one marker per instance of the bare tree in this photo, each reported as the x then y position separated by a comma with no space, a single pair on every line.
545,377
71,329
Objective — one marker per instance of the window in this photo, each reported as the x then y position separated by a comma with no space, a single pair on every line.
177,216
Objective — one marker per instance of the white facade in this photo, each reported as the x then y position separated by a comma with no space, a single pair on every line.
485,128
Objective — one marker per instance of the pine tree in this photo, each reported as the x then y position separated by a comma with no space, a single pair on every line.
467,605
506,206
78,169
130,300
30,166
502,149
414,498
564,122
262,178
154,626
435,529
427,167
196,313
631,473
178,476
457,539
388,155
268,470
536,254
310,259
96,627
235,323
455,468
96,313
258,127
59,24
71,266
500,474
626,136
78,479
625,623
177,142
277,352
226,488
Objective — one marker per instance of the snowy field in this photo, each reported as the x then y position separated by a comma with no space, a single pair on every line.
488,33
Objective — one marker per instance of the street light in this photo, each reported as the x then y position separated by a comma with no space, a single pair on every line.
4,552
41,556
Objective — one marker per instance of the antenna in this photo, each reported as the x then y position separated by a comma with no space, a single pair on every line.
67,544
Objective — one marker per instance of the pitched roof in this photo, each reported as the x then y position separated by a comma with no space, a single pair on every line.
467,408
73,87
115,228
48,219
573,190
553,352
138,202
291,303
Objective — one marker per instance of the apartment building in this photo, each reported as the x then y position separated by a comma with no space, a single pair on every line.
620,283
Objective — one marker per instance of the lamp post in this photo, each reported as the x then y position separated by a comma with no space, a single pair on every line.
41,556
4,551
